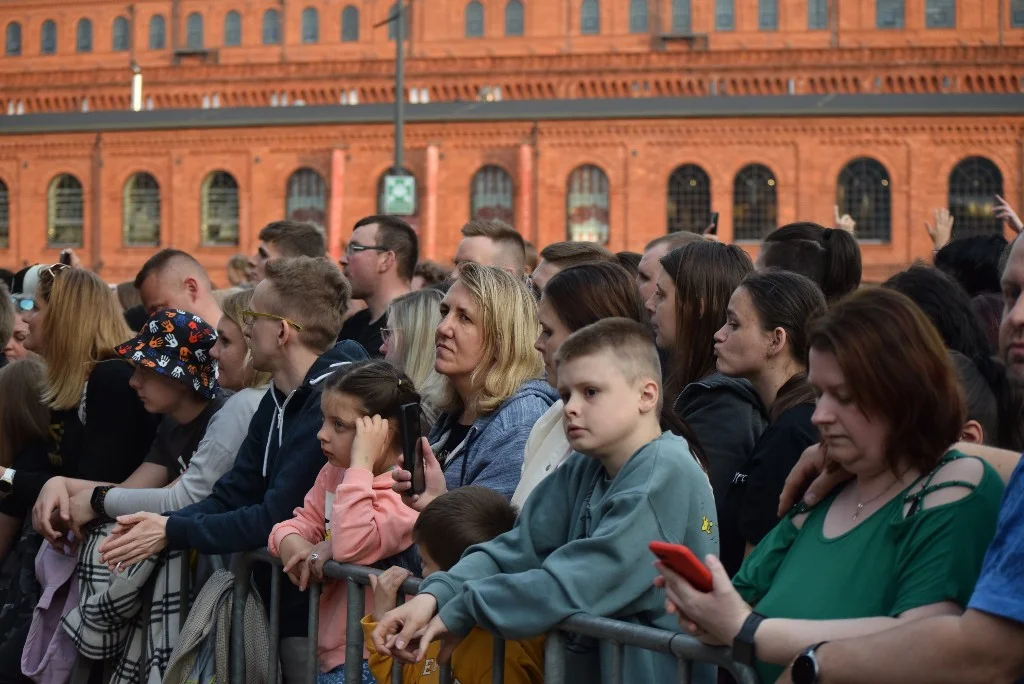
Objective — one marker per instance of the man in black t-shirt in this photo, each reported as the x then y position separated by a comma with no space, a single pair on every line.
379,262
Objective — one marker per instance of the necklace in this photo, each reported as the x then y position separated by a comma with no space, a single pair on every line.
862,504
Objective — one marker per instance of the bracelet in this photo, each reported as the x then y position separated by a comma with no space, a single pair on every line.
99,497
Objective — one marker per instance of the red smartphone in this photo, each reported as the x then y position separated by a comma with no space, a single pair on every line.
681,561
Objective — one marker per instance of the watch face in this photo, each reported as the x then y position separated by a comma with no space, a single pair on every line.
805,670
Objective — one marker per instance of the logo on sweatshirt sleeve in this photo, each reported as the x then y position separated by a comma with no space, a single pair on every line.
706,526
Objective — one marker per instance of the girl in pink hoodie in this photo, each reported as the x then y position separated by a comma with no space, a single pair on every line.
351,515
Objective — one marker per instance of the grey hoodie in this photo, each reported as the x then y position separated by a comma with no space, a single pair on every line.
727,417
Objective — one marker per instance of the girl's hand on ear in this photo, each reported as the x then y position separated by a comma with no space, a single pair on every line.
370,445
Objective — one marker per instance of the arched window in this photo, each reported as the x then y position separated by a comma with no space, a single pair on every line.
972,184
817,15
48,38
119,37
310,26
863,192
12,45
590,18
157,32
681,16
638,16
393,23
350,24
219,209
586,205
889,14
232,29
194,31
305,197
64,212
141,211
5,217
754,203
689,199
271,27
1017,13
724,19
491,195
768,15
474,20
514,18
83,36
940,14
381,188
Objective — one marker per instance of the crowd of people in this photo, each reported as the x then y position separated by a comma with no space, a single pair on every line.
842,457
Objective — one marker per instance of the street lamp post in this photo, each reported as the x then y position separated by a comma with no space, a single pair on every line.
399,86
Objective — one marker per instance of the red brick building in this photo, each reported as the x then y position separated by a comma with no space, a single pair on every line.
595,119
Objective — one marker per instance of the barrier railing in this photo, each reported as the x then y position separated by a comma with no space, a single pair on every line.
685,649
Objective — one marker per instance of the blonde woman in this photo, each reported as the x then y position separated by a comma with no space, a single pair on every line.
409,345
493,393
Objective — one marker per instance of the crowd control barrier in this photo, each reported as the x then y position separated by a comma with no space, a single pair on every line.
685,649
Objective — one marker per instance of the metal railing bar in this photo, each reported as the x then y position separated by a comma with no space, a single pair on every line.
354,632
275,622
498,661
617,656
312,630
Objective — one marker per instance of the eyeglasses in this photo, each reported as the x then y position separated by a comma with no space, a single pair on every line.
22,303
356,248
248,317
386,334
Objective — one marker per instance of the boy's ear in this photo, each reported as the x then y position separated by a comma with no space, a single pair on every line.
649,395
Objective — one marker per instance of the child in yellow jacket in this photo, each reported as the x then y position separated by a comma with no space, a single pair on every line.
447,527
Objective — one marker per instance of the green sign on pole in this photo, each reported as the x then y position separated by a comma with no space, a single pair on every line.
400,195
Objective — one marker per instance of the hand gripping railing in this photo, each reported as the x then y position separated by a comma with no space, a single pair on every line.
685,649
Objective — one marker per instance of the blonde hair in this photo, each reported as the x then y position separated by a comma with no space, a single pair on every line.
508,320
24,418
84,323
232,307
416,315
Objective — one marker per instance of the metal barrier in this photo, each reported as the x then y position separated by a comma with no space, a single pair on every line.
685,649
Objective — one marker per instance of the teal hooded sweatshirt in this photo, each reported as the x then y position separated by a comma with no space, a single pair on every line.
580,546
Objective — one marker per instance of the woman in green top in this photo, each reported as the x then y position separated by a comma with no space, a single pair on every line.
903,539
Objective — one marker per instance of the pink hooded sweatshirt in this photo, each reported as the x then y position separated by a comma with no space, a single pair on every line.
365,522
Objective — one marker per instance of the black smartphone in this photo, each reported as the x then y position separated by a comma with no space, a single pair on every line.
713,228
65,257
412,451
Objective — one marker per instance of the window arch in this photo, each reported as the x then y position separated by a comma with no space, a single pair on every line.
119,36
725,19
768,15
194,31
219,209
83,36
232,29
889,14
350,24
638,16
141,206
380,188
817,15
157,32
310,26
474,20
306,197
12,44
48,38
689,199
393,24
590,17
586,203
1016,13
681,16
65,212
972,184
271,27
940,14
863,191
514,18
5,216
491,195
754,203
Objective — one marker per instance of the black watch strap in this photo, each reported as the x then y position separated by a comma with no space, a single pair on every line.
743,644
805,667
99,497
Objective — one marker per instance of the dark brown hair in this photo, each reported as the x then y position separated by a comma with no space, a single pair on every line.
294,238
569,253
381,388
432,273
788,301
396,236
675,240
459,519
162,259
828,256
705,274
313,293
897,369
629,261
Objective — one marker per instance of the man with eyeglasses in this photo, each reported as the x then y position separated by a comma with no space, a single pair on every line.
379,262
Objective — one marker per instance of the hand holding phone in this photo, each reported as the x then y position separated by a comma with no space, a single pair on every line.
412,450
684,563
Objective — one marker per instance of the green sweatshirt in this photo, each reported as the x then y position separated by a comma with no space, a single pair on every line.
580,546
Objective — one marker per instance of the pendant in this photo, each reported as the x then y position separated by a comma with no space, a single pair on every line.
857,513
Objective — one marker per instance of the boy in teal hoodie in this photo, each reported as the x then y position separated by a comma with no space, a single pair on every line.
580,543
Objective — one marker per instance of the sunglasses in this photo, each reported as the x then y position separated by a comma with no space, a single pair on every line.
249,317
48,275
21,303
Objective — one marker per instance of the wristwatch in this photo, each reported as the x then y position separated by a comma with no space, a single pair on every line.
7,482
743,644
805,667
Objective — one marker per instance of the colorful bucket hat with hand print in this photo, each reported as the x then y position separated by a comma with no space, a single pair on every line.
176,344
